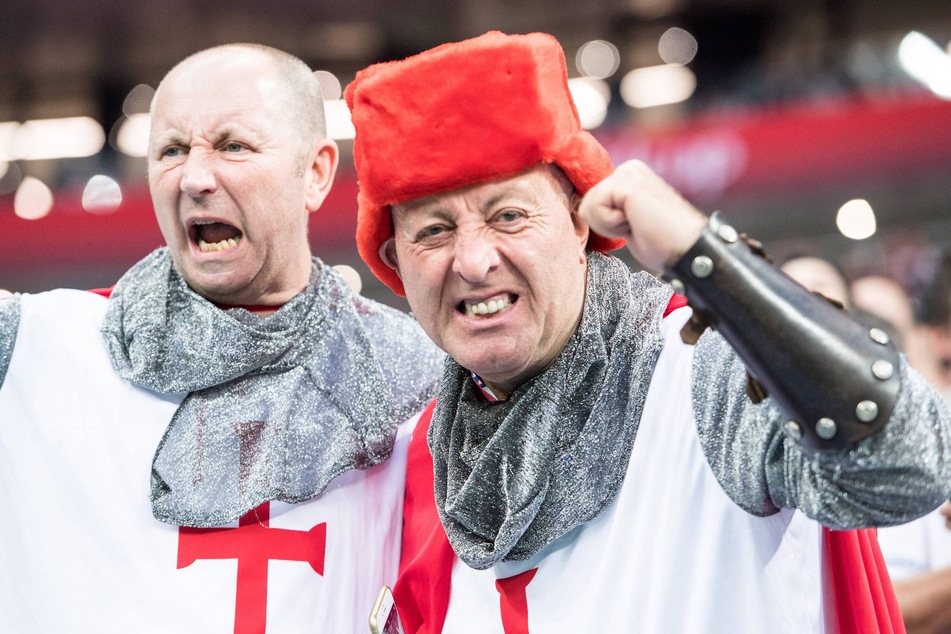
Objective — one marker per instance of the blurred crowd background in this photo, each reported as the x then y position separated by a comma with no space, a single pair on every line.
820,127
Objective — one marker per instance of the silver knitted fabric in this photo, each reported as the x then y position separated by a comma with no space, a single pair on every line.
891,477
9,324
513,476
276,407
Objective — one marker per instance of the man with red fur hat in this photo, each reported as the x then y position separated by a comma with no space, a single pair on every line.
220,446
597,459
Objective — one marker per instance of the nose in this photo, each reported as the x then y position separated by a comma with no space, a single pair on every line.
475,256
198,177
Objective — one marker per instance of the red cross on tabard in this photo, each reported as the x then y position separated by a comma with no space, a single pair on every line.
253,543
513,601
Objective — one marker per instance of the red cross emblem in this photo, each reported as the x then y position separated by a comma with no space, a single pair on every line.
513,601
253,544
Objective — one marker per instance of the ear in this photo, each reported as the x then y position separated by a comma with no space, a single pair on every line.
320,173
388,255
582,230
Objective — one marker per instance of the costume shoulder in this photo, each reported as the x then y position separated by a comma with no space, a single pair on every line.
55,313
383,323
402,348
9,324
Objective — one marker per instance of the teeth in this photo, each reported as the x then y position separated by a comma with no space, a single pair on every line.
207,247
487,308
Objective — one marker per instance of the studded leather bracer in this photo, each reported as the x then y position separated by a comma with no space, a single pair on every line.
836,380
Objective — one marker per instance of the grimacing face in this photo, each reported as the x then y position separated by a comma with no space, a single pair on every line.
231,180
495,272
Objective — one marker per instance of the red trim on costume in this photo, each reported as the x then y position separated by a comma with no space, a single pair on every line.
676,301
863,602
422,590
104,292
513,601
251,308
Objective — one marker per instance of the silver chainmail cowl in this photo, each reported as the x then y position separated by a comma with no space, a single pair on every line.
9,324
277,407
513,476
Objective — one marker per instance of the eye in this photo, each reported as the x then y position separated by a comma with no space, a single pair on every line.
172,151
509,219
428,234
234,147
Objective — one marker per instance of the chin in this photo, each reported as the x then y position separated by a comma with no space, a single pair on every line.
490,371
214,287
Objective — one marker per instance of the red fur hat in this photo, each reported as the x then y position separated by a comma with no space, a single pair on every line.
460,114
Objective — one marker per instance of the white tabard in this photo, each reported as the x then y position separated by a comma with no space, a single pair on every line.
80,550
672,553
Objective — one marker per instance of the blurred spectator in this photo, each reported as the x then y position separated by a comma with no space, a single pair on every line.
936,318
918,554
887,298
823,277
819,276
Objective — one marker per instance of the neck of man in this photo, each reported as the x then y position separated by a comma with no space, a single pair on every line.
258,309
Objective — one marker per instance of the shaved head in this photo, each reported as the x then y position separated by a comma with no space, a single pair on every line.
298,88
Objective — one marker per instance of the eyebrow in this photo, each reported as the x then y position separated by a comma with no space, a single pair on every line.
494,200
433,208
230,129
165,139
434,211
174,136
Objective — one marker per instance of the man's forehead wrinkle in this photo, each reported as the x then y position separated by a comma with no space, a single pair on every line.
431,207
487,194
212,124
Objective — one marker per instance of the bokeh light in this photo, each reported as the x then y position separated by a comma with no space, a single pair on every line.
657,86
677,46
8,130
33,199
350,275
102,195
927,62
329,85
70,137
856,219
138,101
133,136
339,125
597,59
591,97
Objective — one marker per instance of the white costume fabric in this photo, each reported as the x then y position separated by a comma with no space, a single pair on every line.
80,550
671,553
920,546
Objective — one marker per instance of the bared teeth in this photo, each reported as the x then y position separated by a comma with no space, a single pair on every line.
487,308
207,247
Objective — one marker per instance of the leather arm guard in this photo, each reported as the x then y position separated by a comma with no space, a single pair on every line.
836,380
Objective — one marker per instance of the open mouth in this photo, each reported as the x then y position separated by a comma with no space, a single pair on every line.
213,236
486,308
